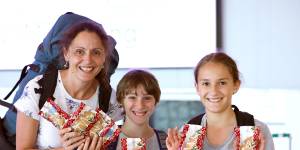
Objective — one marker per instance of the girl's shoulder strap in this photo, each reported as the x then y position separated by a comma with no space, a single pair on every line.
196,120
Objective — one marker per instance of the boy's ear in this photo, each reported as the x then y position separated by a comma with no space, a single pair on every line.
197,89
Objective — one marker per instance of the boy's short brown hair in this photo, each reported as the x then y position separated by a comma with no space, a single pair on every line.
132,79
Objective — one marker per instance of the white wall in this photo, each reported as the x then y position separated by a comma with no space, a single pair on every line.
263,37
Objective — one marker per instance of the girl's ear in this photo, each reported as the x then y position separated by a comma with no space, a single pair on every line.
237,86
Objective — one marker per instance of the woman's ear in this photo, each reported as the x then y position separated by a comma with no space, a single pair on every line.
66,54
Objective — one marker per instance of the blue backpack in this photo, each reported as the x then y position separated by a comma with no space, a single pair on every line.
48,60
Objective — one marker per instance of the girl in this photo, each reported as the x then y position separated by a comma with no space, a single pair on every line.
216,80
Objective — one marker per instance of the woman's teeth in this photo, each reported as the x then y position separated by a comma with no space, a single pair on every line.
86,69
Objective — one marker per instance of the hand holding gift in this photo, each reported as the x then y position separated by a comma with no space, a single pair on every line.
84,120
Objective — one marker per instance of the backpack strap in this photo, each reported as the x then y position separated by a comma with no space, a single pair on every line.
22,76
161,136
196,120
242,118
47,84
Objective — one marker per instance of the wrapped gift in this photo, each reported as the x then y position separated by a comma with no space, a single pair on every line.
192,137
247,137
53,113
84,120
133,144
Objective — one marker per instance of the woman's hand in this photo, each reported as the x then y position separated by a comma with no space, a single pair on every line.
70,140
173,139
92,144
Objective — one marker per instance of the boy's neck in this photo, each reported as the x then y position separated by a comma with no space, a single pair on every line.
137,131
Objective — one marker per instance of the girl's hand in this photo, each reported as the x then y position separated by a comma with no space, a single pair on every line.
173,139
70,140
262,141
92,144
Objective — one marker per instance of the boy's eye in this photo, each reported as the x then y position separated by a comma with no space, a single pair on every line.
131,97
223,83
149,97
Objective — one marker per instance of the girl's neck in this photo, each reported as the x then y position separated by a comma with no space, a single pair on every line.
137,131
78,90
224,119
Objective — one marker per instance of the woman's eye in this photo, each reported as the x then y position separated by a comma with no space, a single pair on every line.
79,52
98,52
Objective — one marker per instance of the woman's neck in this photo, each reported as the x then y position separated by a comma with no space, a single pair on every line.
78,90
137,131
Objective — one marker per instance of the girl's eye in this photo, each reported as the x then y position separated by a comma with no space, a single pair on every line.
205,83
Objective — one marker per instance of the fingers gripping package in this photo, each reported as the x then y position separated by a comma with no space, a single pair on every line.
133,144
192,137
84,120
247,137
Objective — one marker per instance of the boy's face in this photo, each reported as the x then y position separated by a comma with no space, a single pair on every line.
138,106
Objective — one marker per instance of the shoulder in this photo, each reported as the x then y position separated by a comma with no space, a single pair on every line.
269,143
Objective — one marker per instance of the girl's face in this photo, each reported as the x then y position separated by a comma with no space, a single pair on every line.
86,56
138,106
215,87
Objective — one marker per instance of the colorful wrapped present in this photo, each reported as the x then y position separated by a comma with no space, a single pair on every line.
84,120
247,137
133,144
192,137
53,113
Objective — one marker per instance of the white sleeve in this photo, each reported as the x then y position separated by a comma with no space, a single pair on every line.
28,103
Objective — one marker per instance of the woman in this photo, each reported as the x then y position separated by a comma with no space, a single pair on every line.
216,80
86,52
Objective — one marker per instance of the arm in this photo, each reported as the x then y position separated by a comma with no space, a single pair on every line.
265,137
26,132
